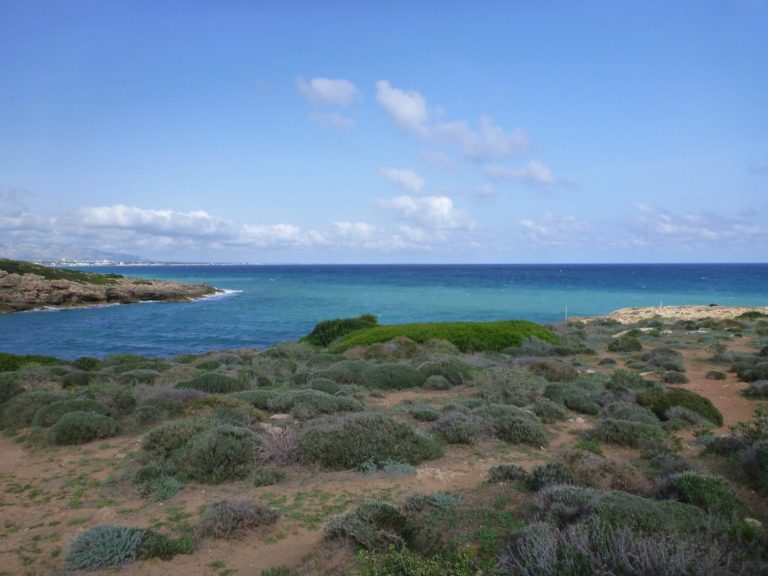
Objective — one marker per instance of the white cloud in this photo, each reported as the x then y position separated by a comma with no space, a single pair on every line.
557,230
329,91
408,180
534,173
332,120
436,212
407,108
354,231
156,222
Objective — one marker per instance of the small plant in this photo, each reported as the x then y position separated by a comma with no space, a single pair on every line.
82,427
221,453
104,545
375,524
213,383
513,424
424,413
232,518
266,476
549,411
673,377
627,433
444,500
546,474
660,401
712,494
392,377
626,343
572,396
716,375
458,427
387,468
507,473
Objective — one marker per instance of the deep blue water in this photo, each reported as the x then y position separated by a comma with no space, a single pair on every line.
277,303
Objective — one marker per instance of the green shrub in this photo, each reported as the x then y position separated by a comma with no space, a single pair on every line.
221,453
258,398
50,414
138,376
232,518
507,473
458,427
375,524
622,379
9,386
224,409
716,375
546,474
714,495
424,413
444,499
660,401
329,330
324,385
156,545
679,417
586,468
77,378
513,424
573,396
15,362
550,369
104,545
392,377
627,433
515,385
453,370
757,389
346,372
266,476
629,411
154,477
756,371
86,363
394,562
214,383
356,439
162,442
82,427
307,404
626,343
549,411
672,377
19,411
466,336
664,359
436,382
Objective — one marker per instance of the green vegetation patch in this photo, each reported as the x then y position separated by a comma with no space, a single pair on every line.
14,362
213,383
19,267
660,401
466,336
329,330
82,427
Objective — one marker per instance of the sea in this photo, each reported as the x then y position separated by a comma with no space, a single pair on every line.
262,305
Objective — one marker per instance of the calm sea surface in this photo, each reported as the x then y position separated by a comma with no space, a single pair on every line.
269,304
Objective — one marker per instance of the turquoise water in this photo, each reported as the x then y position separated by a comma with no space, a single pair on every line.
269,304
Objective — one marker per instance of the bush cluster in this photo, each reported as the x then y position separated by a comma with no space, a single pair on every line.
375,524
572,396
213,383
233,518
50,414
82,427
457,427
628,342
327,331
513,424
660,401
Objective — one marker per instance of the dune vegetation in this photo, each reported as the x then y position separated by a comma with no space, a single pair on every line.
462,448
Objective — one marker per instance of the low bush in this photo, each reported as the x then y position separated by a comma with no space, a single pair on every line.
549,411
513,424
392,377
572,396
626,343
515,385
458,427
712,494
324,385
507,473
547,474
161,443
443,499
679,417
589,469
257,398
453,370
672,377
82,427
233,518
542,549
627,433
716,375
156,545
466,336
755,370
356,439
424,413
224,409
156,481
329,330
664,359
550,369
20,410
375,524
266,476
50,414
757,389
622,380
15,362
629,411
77,378
307,403
394,562
9,386
346,372
660,401
221,453
436,382
213,383
138,376
103,546
753,460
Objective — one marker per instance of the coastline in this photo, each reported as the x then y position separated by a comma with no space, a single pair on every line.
633,315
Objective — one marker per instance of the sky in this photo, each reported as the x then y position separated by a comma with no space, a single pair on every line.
392,132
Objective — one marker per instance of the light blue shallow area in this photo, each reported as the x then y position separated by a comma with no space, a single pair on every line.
270,304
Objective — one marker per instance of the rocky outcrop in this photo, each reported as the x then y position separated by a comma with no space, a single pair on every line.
29,291
634,315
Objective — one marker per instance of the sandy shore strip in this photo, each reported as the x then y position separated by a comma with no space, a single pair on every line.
633,315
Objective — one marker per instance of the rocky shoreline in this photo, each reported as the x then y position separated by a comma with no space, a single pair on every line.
633,315
20,292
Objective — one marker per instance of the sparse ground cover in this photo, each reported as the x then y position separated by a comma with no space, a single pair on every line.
562,452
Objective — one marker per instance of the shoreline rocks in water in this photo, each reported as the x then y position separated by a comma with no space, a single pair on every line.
25,286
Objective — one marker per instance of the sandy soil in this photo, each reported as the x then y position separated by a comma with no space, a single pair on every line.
632,315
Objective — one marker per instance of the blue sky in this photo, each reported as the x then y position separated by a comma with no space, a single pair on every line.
397,132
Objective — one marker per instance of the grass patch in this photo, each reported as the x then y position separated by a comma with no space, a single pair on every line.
22,268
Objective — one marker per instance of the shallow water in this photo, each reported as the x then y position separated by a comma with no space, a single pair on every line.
269,304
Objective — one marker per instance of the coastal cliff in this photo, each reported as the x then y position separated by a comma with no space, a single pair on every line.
26,286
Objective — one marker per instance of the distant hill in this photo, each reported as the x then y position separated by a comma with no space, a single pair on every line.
62,253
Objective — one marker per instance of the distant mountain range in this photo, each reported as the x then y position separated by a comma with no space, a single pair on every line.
62,253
